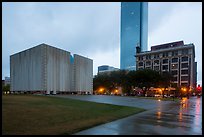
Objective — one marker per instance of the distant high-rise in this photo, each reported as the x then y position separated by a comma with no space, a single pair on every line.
134,32
106,69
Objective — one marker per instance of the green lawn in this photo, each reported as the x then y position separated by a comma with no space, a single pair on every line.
41,115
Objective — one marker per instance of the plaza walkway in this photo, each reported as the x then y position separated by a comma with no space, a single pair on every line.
161,117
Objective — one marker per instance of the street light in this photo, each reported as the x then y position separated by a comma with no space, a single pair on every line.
185,90
101,90
116,91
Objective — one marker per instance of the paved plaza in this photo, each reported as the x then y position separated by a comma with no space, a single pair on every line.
161,117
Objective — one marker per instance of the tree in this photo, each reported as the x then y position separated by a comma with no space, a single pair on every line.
101,80
146,78
6,88
165,81
119,79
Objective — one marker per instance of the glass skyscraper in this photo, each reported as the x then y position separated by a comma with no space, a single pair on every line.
134,32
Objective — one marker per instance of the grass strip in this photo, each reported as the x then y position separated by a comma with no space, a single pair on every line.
49,115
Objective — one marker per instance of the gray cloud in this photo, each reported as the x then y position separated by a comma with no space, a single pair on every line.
93,29
81,28
157,12
183,23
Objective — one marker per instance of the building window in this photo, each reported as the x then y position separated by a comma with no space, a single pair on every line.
148,57
184,65
148,63
184,84
165,54
175,72
174,53
152,56
145,57
165,61
174,66
174,60
174,78
165,67
156,68
156,62
184,58
184,78
140,68
184,51
148,68
184,71
156,56
140,63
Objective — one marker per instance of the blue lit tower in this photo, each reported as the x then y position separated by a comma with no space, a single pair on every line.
134,32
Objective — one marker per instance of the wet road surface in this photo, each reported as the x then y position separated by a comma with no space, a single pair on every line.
161,118
119,100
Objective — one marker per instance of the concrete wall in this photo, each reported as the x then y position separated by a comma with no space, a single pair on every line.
83,74
26,70
58,70
49,69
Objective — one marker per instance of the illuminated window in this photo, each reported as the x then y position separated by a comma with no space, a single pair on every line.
174,66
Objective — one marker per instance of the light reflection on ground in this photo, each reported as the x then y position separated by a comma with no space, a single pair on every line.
162,118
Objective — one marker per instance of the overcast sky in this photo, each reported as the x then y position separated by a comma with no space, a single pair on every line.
93,29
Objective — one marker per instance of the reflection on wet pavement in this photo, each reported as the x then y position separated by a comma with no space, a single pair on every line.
161,118
187,117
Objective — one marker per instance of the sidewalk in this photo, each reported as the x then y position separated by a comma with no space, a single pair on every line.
167,119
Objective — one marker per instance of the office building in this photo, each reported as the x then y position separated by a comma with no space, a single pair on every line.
50,70
7,81
134,32
175,57
106,68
